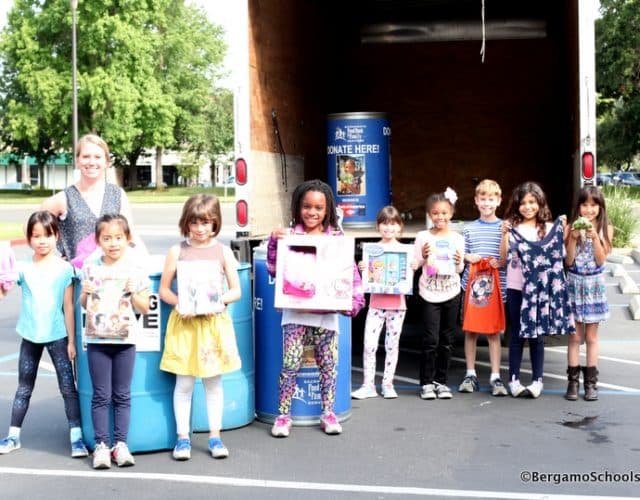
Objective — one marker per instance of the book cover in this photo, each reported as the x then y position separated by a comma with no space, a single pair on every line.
200,287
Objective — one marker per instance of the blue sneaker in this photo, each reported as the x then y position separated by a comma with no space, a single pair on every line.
9,444
217,449
79,449
182,451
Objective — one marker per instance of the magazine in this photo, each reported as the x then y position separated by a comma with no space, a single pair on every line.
109,311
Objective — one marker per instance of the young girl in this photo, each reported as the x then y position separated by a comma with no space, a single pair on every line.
384,310
587,250
46,321
439,252
537,301
200,345
112,284
314,212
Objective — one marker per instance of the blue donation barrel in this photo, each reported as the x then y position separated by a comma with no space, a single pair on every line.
152,426
238,386
358,159
306,405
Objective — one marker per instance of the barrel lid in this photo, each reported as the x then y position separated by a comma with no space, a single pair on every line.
260,252
357,115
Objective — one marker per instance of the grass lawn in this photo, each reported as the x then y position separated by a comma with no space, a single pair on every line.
169,195
11,231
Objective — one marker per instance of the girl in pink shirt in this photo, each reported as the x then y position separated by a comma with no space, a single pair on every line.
384,309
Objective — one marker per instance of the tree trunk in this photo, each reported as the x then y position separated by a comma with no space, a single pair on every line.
159,176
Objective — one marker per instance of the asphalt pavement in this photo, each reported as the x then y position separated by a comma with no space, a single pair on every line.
472,446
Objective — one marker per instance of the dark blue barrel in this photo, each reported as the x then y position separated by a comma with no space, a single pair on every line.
358,165
152,425
306,406
238,386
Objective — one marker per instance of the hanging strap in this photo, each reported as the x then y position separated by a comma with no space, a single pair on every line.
483,47
283,156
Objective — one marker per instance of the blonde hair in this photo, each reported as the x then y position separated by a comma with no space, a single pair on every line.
93,139
488,187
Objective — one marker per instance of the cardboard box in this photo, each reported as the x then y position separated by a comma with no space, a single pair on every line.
387,268
314,273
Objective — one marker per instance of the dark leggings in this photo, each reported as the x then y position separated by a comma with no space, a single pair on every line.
516,344
440,325
111,370
30,354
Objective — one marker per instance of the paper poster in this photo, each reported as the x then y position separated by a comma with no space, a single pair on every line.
314,273
200,287
387,268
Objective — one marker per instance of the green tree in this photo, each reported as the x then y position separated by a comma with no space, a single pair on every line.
618,80
145,71
219,133
189,167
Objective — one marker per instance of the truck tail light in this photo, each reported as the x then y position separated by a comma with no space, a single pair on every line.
241,171
588,166
242,213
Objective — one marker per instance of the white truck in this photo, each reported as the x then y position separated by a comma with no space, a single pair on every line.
472,88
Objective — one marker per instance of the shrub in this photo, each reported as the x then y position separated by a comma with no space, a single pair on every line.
623,210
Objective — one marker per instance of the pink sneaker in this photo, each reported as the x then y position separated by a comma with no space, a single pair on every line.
329,423
281,426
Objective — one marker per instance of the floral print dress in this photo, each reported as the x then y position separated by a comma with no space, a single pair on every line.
545,299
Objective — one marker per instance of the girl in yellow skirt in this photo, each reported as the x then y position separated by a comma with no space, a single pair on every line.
200,340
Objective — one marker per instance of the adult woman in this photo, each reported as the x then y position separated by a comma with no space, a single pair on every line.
80,205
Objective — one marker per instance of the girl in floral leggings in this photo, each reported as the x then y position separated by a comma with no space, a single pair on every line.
314,213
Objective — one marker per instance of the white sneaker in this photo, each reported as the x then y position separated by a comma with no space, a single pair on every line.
388,392
121,455
535,388
281,426
497,388
9,444
101,456
516,388
365,392
427,391
329,423
443,391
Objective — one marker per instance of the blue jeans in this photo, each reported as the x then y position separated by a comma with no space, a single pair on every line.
111,370
30,354
516,344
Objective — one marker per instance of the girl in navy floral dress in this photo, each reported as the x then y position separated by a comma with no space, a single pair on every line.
587,250
537,296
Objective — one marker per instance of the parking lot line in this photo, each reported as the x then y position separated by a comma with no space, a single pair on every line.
601,384
605,358
292,485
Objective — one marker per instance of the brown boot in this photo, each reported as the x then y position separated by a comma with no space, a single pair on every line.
573,376
590,374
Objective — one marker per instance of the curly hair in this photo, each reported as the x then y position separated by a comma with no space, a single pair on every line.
331,218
